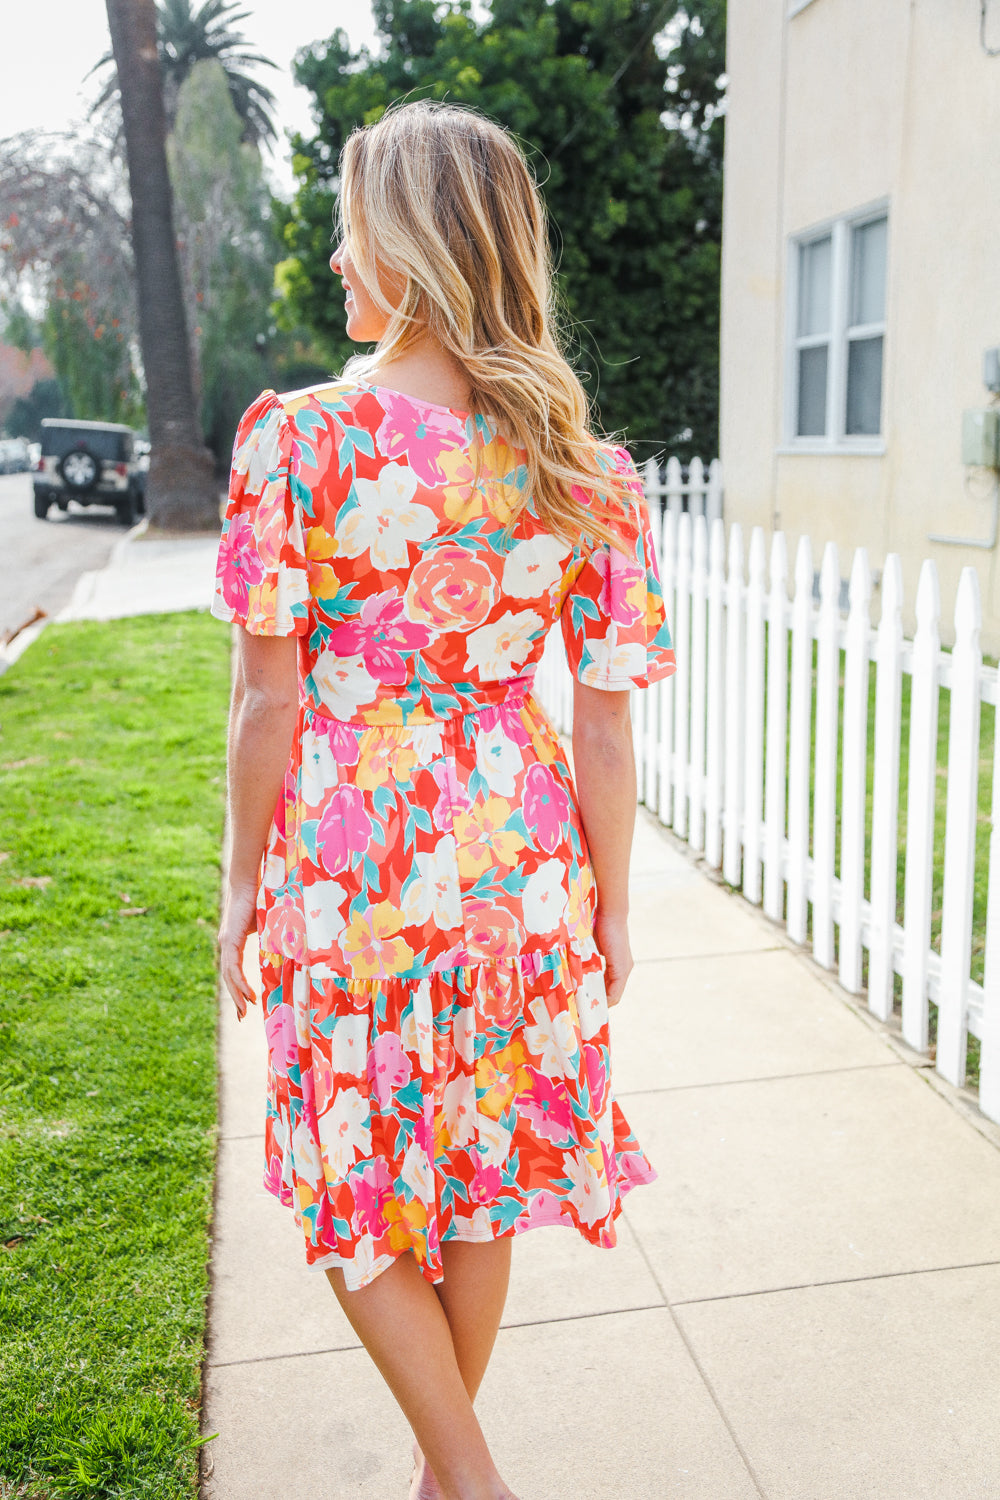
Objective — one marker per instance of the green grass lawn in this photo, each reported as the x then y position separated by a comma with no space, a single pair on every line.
111,806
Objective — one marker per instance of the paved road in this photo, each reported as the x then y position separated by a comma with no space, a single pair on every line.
40,561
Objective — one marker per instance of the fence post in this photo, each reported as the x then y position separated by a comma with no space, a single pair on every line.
674,486
885,790
989,1057
713,497
753,783
825,794
732,811
668,574
777,721
682,677
696,487
920,789
854,777
699,664
715,727
799,742
960,831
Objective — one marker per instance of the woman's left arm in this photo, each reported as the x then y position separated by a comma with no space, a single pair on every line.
261,725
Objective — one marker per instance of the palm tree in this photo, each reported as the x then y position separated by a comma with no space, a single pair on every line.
186,35
182,493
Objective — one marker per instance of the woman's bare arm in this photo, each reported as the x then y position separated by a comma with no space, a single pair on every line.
261,725
604,770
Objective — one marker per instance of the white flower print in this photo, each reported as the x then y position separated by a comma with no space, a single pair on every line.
345,1132
416,1030
343,683
592,1003
274,872
260,455
323,902
417,1174
305,1155
435,889
463,1030
544,897
349,1044
319,768
386,520
495,1138
498,760
613,663
533,567
589,1193
459,1106
497,648
553,1039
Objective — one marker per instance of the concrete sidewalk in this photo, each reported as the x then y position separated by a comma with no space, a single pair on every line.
805,1306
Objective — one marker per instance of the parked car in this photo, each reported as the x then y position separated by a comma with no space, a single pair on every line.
93,463
14,456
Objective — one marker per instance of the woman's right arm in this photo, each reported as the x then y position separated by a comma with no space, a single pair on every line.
604,771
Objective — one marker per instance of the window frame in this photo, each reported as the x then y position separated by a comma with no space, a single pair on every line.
842,334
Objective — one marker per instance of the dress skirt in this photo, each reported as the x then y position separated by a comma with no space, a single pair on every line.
440,1069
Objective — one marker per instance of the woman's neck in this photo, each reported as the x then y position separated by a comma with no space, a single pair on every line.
428,372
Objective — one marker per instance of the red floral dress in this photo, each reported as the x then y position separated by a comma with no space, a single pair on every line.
434,1003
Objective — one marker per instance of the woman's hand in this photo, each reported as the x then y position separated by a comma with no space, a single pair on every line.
611,936
239,920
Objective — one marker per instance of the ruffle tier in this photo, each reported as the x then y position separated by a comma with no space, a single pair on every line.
464,1105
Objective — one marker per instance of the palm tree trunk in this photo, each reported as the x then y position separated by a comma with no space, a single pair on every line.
182,493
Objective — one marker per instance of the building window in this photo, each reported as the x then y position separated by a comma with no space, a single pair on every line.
838,322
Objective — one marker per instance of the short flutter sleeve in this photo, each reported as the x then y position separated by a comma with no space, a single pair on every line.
261,580
613,620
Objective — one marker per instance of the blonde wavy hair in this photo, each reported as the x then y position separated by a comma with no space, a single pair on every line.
438,203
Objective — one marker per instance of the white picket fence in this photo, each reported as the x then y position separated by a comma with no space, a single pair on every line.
738,754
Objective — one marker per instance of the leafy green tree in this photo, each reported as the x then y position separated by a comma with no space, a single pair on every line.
619,105
45,399
187,36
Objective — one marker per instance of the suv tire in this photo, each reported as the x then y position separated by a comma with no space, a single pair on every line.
80,470
128,508
42,503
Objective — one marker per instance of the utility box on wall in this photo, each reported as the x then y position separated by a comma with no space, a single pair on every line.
981,438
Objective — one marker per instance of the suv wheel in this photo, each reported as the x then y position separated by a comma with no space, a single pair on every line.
42,503
80,470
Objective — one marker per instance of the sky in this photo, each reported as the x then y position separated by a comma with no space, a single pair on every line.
48,49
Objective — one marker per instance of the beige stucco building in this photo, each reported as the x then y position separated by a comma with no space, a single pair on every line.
861,278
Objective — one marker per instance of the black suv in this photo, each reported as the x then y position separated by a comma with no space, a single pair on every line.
94,463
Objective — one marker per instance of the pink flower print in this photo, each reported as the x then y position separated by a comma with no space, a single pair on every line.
486,1184
389,1068
546,1104
544,1208
506,716
454,799
418,434
343,739
239,563
372,1189
597,1078
282,1045
285,930
378,635
546,807
618,578
272,1175
344,829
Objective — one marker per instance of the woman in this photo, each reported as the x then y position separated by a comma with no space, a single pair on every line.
433,896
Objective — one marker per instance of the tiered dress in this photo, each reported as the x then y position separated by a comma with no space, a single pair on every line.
434,1003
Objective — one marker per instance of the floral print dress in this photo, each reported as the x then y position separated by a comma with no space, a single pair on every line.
434,1004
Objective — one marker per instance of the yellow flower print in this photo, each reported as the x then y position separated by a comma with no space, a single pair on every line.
371,945
483,841
501,1075
384,760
